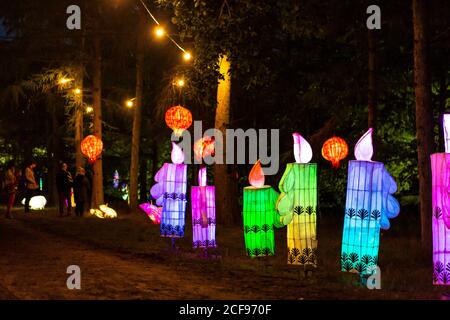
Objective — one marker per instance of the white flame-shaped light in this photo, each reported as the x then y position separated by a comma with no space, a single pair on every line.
177,154
202,177
302,149
364,147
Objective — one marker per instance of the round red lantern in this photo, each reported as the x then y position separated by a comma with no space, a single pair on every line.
178,119
335,149
92,147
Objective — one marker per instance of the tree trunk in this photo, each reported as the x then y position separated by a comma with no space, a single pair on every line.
441,106
79,159
136,134
143,179
424,120
97,179
372,87
226,205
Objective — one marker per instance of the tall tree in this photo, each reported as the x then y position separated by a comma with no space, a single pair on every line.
424,118
372,88
97,180
222,179
136,134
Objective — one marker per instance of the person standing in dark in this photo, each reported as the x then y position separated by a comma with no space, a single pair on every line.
81,190
31,185
11,186
64,183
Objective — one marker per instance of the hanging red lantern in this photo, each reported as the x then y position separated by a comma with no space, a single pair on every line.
335,149
178,119
92,147
204,147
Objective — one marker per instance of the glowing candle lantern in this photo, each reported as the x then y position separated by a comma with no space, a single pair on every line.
104,212
335,149
259,215
178,119
203,213
440,170
92,147
170,193
152,211
297,204
204,147
369,205
116,179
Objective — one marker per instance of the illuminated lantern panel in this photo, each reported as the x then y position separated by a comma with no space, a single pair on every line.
440,168
92,147
297,205
259,215
369,205
37,202
335,149
170,193
178,119
203,217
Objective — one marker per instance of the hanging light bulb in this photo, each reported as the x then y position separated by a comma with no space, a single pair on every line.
187,56
159,32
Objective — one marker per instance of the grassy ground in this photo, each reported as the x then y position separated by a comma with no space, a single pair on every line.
404,273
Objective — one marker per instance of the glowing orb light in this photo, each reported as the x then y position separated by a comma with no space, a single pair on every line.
204,147
104,212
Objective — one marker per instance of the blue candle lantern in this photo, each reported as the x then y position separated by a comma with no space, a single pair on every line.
170,193
369,205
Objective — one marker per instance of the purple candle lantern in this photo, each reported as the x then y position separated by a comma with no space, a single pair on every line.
440,169
170,193
203,213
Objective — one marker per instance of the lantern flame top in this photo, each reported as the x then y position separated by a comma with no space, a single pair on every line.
364,147
202,177
256,176
302,149
177,154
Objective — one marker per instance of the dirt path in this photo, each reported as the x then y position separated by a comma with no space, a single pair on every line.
33,265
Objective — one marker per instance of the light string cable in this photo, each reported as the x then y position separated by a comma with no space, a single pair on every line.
156,21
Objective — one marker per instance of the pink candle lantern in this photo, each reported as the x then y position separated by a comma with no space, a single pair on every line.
440,169
152,211
203,213
170,193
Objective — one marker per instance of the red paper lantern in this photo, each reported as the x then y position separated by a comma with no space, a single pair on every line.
92,147
178,119
335,149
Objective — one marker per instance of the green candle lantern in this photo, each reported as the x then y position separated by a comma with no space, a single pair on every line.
259,215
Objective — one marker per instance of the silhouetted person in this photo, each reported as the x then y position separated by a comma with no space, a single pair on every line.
31,185
11,186
81,190
64,183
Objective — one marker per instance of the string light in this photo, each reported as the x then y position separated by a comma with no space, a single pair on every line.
77,91
89,109
130,103
160,32
180,82
187,56
64,80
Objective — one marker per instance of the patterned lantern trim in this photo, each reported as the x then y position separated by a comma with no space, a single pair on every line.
203,213
259,215
440,170
178,119
152,211
170,193
297,205
335,149
92,147
369,206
